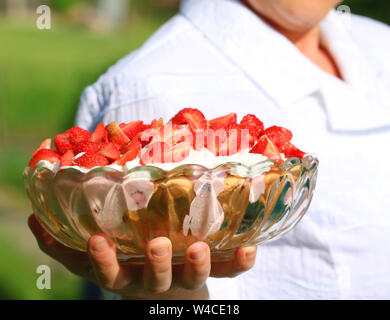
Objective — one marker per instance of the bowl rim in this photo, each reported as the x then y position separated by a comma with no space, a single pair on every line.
309,162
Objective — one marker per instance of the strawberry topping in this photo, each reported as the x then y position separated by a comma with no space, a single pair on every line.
170,142
265,147
255,127
44,145
132,128
193,117
90,160
66,158
99,135
44,154
110,151
224,122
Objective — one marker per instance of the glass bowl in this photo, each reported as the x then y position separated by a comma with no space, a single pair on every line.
228,206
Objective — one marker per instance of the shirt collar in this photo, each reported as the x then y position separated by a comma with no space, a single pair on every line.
354,104
279,69
270,60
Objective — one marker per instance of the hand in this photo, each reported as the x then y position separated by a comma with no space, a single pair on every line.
157,278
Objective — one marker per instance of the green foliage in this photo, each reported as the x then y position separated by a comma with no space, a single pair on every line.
378,9
18,277
42,74
63,5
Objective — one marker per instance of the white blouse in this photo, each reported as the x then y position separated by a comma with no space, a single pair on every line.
220,57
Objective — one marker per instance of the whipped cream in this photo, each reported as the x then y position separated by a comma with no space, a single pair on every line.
203,157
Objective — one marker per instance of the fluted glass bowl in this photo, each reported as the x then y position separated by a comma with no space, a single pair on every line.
228,206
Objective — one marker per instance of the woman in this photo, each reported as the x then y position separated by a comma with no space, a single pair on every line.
297,64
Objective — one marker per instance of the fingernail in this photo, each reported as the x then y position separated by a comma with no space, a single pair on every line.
100,244
159,251
250,253
197,254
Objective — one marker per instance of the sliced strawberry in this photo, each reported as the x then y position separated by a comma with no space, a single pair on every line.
131,129
88,146
265,147
193,117
99,135
254,125
90,160
146,127
291,151
110,151
223,122
44,154
279,136
66,158
133,150
116,135
62,143
77,135
44,145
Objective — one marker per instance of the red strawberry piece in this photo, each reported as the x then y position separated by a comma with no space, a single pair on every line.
62,143
44,145
279,136
122,125
110,151
77,135
116,135
66,158
254,125
146,127
291,151
44,154
193,117
133,150
90,160
131,129
265,147
223,122
88,146
100,134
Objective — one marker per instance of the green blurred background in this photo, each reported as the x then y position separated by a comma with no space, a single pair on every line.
42,74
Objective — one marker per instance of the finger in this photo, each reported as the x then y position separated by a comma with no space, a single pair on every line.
158,266
109,273
197,266
74,260
244,259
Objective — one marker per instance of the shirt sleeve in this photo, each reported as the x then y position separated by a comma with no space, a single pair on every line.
90,107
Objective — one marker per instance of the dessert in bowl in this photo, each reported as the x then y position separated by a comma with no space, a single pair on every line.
223,182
